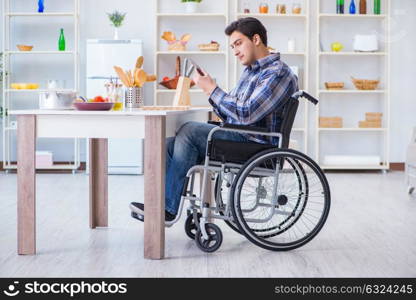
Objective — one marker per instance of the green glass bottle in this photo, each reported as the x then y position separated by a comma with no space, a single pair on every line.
61,42
377,7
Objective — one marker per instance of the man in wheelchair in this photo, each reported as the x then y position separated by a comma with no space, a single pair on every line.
257,100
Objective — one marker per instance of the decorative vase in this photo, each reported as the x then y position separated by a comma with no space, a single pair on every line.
115,33
191,7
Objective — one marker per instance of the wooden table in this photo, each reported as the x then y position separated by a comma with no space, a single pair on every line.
98,126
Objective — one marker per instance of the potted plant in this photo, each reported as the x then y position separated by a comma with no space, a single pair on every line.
116,19
191,6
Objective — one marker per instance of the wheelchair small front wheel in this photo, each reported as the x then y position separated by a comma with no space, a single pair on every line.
190,227
214,241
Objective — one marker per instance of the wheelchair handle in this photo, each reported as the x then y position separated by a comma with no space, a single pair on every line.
303,94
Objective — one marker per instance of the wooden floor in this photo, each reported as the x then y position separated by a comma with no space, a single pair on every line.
370,232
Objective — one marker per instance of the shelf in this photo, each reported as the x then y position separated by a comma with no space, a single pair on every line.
55,14
278,16
39,52
352,53
190,53
349,16
352,91
354,167
352,129
36,90
190,15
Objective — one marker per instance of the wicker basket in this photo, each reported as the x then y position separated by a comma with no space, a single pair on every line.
365,84
171,84
334,85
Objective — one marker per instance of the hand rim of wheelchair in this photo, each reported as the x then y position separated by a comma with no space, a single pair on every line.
234,226
237,214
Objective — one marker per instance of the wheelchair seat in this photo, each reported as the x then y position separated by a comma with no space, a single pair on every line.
239,152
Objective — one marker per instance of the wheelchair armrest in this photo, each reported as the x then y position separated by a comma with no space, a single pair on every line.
216,123
245,127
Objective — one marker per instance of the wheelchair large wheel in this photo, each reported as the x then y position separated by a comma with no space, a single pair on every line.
293,204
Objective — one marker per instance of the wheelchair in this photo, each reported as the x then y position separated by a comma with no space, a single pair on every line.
278,198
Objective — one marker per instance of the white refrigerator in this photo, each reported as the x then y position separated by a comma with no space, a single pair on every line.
125,156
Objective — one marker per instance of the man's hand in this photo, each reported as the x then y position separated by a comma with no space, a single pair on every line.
206,83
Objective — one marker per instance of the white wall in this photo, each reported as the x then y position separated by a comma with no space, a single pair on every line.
139,24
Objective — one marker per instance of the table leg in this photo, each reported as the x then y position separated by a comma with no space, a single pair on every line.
154,187
98,183
26,184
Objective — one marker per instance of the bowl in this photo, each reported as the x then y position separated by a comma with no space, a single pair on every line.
24,47
93,105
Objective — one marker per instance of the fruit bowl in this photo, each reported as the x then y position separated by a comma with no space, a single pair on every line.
93,105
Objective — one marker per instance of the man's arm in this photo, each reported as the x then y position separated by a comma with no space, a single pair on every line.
266,98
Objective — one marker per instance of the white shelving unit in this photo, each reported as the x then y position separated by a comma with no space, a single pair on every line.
8,94
171,12
357,140
301,23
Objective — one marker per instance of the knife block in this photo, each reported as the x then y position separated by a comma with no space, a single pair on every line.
182,97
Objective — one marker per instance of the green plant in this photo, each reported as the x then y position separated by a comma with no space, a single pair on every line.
197,1
116,18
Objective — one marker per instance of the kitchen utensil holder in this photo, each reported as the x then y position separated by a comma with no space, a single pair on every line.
133,97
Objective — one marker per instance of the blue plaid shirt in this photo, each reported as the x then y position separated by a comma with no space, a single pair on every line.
257,99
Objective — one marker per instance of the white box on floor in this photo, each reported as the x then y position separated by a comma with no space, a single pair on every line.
44,159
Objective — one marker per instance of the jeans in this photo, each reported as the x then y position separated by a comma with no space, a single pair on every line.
184,151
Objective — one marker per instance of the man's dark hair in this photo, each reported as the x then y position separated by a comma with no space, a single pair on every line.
249,27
